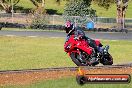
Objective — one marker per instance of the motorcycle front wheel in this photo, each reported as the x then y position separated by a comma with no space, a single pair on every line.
76,59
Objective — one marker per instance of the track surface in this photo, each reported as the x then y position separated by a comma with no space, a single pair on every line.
67,68
95,35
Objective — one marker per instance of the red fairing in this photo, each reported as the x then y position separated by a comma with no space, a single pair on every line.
97,41
72,45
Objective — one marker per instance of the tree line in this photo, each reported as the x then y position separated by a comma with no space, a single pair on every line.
40,5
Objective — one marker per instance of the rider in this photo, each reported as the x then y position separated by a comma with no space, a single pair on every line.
70,29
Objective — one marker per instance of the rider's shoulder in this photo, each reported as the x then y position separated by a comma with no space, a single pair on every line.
79,28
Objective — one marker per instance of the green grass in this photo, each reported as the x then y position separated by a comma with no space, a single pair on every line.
25,4
49,5
69,83
120,50
111,12
30,53
27,53
53,5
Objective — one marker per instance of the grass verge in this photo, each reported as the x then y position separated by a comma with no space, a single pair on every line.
32,53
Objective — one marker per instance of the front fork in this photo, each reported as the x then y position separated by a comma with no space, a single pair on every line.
80,55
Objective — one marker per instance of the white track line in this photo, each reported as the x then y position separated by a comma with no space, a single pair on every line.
10,35
55,37
32,36
114,40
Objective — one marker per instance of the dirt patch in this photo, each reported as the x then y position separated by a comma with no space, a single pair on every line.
124,70
22,78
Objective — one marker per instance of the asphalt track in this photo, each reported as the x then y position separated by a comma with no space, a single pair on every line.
94,35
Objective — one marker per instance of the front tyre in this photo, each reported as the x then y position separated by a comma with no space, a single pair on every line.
76,59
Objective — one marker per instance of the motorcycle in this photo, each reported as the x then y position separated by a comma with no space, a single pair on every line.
82,54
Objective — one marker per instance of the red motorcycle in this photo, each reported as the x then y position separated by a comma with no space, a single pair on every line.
82,54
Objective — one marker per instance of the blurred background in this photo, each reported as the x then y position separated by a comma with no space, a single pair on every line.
43,14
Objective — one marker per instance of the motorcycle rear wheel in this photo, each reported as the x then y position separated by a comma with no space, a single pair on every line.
107,60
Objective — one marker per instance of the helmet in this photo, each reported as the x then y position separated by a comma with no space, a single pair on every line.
68,26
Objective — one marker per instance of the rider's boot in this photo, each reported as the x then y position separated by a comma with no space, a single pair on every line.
94,59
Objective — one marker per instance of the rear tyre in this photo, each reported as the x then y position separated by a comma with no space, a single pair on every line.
107,60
